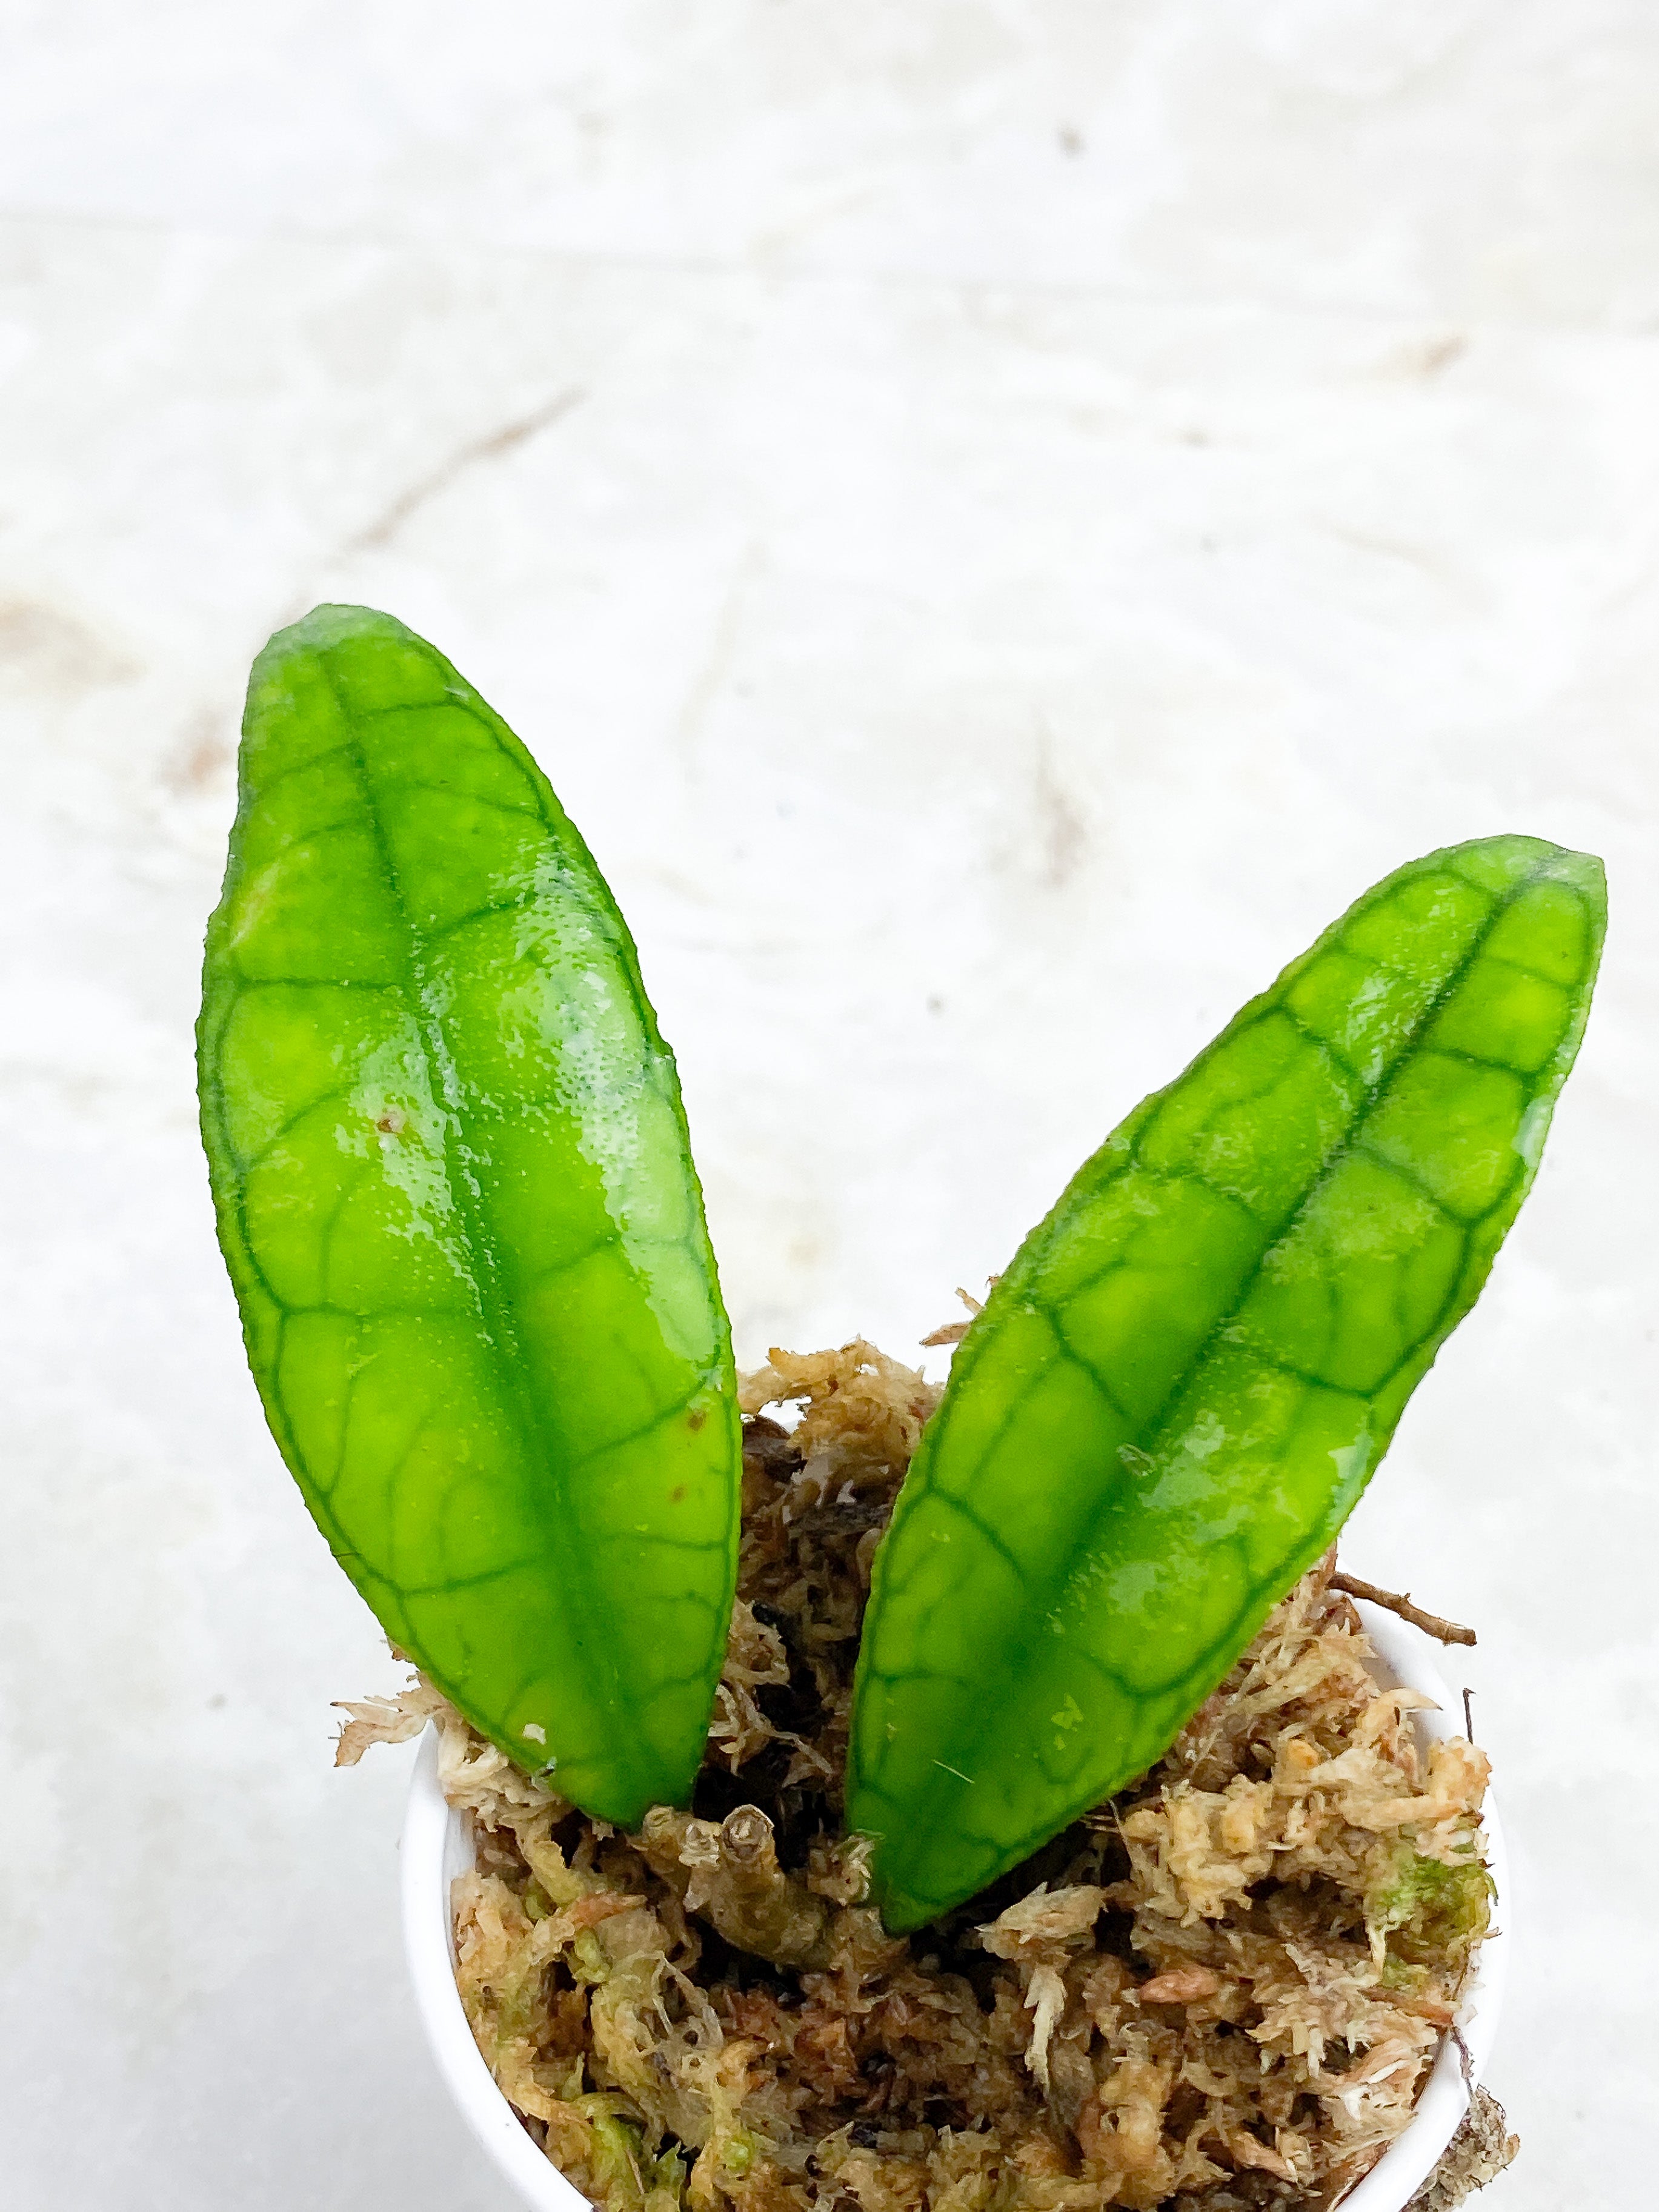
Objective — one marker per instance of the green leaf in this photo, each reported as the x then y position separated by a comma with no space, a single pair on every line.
1176,1393
457,1202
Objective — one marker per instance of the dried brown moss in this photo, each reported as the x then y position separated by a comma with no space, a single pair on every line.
1476,2155
1225,1988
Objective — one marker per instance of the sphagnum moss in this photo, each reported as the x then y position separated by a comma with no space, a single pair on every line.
1224,1988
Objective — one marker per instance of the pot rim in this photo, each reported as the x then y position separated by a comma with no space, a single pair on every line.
437,1845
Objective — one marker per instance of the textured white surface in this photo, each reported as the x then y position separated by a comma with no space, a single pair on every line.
998,518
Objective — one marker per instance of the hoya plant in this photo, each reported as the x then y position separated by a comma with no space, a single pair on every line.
456,1196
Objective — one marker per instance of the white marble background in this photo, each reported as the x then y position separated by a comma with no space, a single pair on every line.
999,518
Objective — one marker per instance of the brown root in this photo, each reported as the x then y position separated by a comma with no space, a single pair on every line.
1445,1631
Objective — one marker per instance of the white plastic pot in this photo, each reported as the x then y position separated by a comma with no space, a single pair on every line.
437,1846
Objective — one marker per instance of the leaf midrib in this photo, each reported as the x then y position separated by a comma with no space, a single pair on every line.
493,1309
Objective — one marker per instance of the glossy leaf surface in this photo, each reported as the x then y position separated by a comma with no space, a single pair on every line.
1176,1394
454,1191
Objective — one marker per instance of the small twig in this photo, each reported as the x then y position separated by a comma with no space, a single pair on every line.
1097,1818
1469,1713
1447,1632
1464,2061
954,1331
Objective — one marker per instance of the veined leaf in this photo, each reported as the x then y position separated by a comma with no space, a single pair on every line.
456,1198
1175,1396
